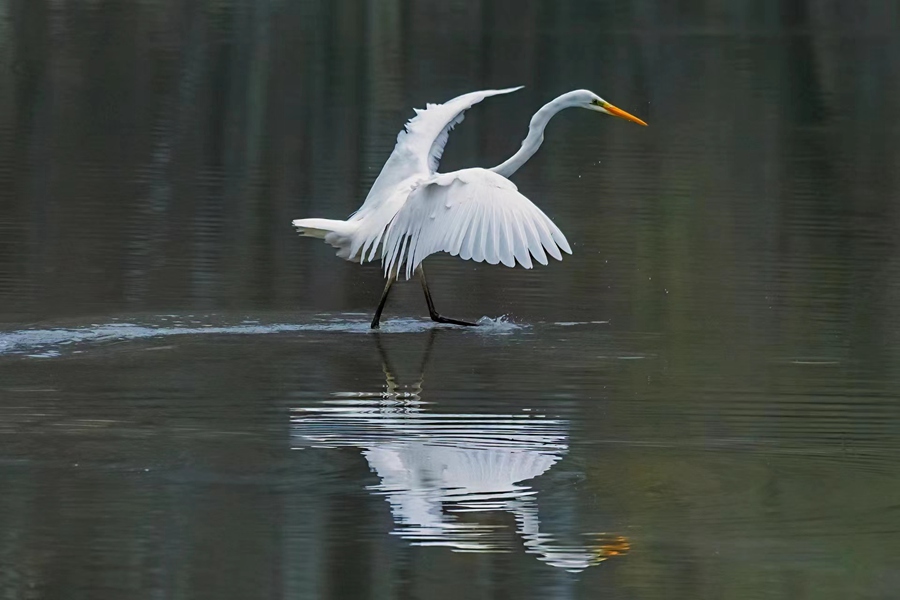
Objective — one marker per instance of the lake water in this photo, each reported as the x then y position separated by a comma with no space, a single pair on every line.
703,401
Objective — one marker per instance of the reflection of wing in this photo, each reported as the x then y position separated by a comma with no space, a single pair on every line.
462,472
436,467
425,484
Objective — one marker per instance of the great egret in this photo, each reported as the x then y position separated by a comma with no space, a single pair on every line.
412,211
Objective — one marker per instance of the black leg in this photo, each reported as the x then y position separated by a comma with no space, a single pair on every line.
384,296
431,310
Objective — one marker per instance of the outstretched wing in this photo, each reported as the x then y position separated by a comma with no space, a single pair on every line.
421,144
426,134
475,214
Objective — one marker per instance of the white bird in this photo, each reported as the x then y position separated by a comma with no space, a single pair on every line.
412,211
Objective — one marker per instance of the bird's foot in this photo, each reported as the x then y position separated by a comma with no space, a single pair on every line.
439,319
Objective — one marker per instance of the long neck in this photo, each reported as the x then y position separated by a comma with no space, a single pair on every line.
533,140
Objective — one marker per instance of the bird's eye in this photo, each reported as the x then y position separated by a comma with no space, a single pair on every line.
595,102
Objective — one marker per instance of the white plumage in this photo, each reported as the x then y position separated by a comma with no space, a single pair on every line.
474,214
477,214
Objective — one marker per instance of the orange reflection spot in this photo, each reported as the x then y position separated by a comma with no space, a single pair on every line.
609,545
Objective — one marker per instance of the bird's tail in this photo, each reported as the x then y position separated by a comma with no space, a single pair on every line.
335,233
320,228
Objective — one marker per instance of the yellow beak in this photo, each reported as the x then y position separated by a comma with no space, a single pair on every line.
618,112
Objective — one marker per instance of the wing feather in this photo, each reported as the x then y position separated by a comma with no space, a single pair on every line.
493,242
547,240
522,254
507,248
534,242
481,222
475,214
420,145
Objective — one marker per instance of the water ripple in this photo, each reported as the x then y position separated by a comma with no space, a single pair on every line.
50,342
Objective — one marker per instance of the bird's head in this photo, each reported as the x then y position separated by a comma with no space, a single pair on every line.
590,100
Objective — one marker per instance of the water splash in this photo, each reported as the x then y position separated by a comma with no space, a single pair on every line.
501,324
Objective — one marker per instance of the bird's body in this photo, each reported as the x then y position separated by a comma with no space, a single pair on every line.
412,211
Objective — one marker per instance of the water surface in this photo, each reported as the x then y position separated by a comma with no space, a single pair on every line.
701,402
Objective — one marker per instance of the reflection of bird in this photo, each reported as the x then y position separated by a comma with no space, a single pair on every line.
439,470
412,211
